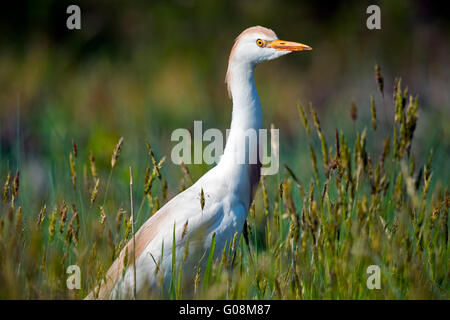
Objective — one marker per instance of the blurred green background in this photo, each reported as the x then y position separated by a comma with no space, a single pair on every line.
141,69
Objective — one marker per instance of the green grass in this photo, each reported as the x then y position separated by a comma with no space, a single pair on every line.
307,239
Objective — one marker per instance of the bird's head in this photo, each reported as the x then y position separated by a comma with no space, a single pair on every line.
257,44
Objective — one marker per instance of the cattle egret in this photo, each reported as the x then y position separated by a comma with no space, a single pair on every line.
218,202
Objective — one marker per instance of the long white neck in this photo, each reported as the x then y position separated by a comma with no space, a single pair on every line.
247,112
246,119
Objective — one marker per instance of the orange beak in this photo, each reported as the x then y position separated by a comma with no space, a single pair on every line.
282,45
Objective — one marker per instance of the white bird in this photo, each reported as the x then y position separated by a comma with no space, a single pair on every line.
219,201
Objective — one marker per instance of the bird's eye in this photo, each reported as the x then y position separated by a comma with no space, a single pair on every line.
260,43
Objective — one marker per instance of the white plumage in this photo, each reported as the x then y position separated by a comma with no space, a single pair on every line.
228,188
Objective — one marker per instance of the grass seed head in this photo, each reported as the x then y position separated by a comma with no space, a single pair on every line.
234,243
302,113
156,166
125,261
15,187
41,216
52,224
197,280
102,217
373,111
95,191
128,227
119,216
202,199
74,149
116,153
62,217
186,172
183,234
6,188
379,79
72,171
